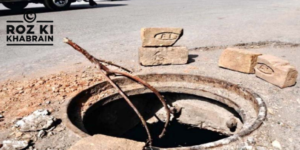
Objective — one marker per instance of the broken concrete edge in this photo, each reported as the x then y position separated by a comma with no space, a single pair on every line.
14,144
103,142
238,60
259,104
276,71
160,37
38,120
150,56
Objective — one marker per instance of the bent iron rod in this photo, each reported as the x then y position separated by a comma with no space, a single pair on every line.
106,72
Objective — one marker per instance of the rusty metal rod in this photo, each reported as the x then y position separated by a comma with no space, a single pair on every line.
104,71
160,97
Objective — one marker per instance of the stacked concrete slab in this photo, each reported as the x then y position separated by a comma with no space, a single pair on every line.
267,67
157,47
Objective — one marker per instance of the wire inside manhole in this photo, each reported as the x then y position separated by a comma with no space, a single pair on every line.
213,112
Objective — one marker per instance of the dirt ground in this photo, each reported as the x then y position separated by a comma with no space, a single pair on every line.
22,96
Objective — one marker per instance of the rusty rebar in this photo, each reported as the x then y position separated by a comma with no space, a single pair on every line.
160,97
104,71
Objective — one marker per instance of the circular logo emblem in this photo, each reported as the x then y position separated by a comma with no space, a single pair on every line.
29,16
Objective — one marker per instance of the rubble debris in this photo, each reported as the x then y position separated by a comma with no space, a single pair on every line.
38,120
41,134
59,128
232,124
246,147
276,71
160,36
149,56
31,148
271,111
260,148
18,134
103,142
276,144
251,141
29,136
14,145
238,60
50,133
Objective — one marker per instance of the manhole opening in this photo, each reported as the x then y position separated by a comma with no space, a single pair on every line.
215,113
116,118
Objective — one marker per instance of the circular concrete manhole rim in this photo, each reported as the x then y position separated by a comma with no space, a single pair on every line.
243,92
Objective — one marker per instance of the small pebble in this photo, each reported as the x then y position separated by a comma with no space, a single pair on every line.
50,133
41,134
18,134
276,144
260,148
270,111
30,148
231,123
251,141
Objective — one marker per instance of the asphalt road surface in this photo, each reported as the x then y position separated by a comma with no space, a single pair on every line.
111,30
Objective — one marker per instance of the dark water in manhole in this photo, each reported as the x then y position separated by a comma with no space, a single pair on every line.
117,119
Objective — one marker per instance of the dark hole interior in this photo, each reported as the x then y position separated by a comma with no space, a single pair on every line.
177,135
117,119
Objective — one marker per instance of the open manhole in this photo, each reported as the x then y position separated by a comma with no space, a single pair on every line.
213,112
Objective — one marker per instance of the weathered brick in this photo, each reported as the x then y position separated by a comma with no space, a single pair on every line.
238,60
160,36
276,71
150,56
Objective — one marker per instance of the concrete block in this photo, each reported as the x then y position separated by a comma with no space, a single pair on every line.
160,36
149,56
276,71
238,60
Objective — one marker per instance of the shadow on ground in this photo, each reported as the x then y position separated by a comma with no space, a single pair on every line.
45,10
191,58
